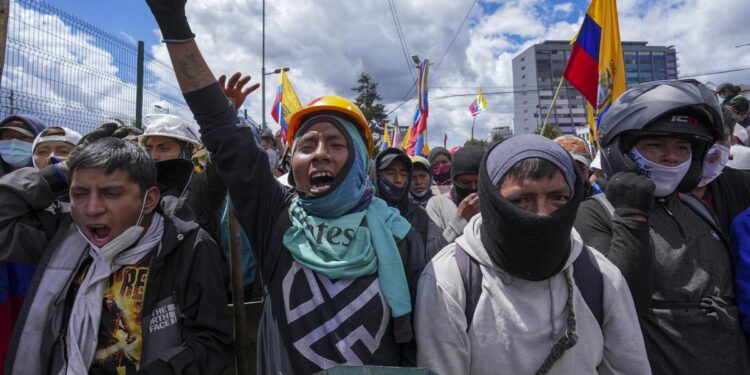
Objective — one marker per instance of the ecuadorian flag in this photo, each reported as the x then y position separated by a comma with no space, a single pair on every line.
596,66
418,136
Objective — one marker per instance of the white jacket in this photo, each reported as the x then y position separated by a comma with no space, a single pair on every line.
517,322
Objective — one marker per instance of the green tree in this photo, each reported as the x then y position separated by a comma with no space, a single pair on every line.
551,131
497,137
367,101
476,142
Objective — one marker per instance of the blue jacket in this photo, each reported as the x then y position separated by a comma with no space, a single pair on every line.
740,235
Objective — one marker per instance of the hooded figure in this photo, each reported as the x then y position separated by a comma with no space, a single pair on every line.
395,190
17,135
440,159
524,246
16,138
450,212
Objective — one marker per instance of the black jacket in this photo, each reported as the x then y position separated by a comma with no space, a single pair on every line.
729,194
302,304
185,271
678,269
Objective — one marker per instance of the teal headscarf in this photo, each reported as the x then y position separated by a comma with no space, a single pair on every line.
327,234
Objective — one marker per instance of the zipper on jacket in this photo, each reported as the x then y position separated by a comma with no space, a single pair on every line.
663,203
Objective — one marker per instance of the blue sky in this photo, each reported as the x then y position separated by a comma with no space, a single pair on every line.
129,16
353,37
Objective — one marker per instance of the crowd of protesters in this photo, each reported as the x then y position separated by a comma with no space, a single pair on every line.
528,256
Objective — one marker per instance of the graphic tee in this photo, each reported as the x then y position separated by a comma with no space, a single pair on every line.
120,336
325,322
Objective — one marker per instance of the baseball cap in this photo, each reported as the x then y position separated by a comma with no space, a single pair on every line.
57,133
19,127
576,147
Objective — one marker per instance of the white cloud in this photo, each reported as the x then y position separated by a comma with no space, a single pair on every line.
327,43
564,8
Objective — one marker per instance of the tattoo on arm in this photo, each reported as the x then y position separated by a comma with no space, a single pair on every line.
190,68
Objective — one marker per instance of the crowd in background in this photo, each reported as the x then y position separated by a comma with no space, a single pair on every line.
627,256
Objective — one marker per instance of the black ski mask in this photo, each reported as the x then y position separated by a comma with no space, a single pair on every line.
465,161
522,243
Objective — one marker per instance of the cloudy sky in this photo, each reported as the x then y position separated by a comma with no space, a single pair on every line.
327,43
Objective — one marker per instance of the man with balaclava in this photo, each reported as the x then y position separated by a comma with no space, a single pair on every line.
392,172
451,212
505,297
440,161
666,242
420,189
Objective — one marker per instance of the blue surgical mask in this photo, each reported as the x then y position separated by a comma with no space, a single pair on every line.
15,152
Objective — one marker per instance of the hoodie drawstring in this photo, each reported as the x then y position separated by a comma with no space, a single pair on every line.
555,332
570,338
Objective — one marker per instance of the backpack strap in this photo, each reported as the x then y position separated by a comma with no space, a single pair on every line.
471,275
590,282
269,256
602,200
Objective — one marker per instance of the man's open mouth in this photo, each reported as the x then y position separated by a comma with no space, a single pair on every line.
320,182
99,234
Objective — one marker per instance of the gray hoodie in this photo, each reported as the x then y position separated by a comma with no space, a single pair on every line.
517,322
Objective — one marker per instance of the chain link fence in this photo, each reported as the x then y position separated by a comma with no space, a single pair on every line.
66,72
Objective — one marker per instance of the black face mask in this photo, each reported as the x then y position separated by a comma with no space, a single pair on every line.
522,243
459,193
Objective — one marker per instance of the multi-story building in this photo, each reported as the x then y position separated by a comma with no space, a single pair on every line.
502,131
538,69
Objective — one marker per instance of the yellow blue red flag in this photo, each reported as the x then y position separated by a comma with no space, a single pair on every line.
418,136
286,102
596,65
478,105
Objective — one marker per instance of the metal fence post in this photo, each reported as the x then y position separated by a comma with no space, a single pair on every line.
4,10
139,87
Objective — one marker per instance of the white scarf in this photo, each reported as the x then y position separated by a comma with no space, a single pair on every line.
83,327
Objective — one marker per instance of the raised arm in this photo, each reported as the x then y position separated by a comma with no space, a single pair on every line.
623,236
257,197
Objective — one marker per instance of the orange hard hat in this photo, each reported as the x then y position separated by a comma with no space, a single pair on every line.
336,104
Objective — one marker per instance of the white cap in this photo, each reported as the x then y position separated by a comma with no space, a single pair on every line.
741,133
739,157
70,136
171,126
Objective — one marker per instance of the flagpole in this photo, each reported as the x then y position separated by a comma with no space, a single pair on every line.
472,127
552,105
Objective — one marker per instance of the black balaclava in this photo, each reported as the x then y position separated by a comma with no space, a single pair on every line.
522,243
465,161
392,195
443,177
427,194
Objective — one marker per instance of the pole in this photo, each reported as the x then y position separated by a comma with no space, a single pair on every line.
139,86
263,67
549,110
4,10
238,298
472,127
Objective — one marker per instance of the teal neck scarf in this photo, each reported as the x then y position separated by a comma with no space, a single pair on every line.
328,236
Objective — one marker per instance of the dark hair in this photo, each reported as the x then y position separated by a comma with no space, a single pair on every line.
114,154
268,137
531,169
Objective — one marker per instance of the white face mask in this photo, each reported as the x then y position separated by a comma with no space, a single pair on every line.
127,238
713,169
665,178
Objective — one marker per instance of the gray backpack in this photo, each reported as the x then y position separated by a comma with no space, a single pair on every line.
587,276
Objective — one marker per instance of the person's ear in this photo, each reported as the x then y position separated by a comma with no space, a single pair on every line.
153,195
